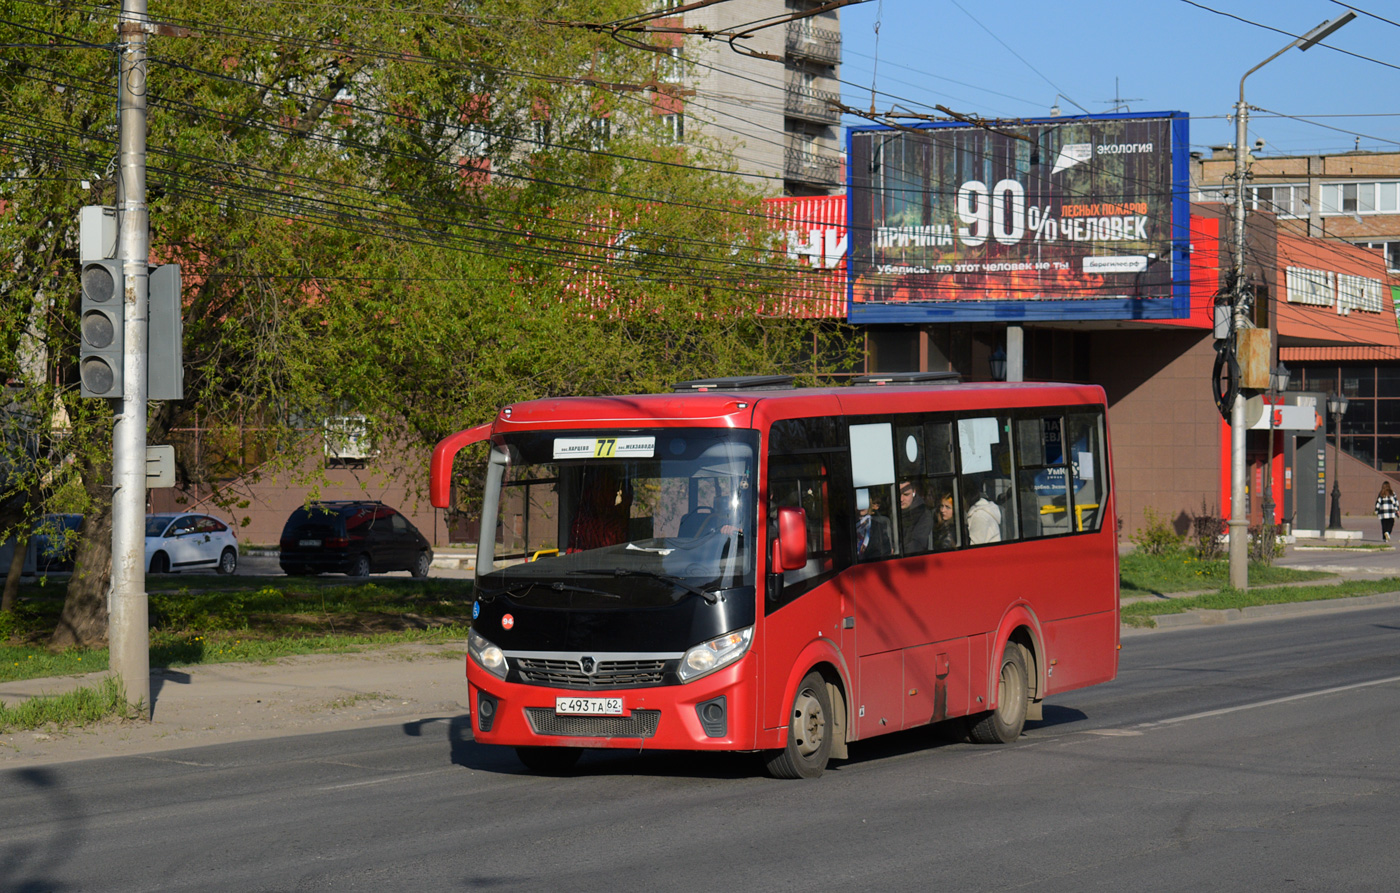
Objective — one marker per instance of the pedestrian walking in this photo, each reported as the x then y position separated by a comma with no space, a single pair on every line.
1387,507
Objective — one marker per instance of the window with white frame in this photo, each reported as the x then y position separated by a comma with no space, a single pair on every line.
674,126
1358,293
1362,197
1285,199
1310,287
1392,253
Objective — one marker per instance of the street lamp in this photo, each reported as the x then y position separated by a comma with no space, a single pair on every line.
1278,383
998,364
1239,521
1337,406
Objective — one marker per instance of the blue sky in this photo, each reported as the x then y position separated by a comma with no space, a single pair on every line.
1013,58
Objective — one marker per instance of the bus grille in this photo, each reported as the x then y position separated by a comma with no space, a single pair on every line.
611,673
641,724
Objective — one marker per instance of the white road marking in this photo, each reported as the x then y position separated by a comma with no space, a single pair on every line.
1269,703
387,778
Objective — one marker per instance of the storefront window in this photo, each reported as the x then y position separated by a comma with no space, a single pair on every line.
1320,378
1360,417
1388,453
1360,448
1359,381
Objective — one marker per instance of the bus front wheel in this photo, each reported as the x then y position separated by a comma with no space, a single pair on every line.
809,732
1003,725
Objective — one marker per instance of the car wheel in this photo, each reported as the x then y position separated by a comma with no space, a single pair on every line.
361,566
228,562
160,563
421,565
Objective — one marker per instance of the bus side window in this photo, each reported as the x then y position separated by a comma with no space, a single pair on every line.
799,476
1042,478
985,462
1089,477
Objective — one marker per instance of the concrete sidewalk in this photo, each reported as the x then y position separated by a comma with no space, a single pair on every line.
221,703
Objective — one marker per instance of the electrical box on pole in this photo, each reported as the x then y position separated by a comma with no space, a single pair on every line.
165,368
101,325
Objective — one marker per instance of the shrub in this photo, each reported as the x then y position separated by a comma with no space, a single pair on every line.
1205,534
1157,537
1264,544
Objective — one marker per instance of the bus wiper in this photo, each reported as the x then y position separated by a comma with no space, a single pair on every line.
489,595
522,588
668,578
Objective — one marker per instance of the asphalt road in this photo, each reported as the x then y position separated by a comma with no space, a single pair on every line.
1259,756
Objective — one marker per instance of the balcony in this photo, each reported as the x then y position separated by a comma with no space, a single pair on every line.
808,167
816,44
812,105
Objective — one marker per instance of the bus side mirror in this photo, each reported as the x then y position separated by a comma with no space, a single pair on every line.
792,539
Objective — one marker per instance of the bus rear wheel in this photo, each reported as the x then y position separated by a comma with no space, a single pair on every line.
809,733
1003,725
549,760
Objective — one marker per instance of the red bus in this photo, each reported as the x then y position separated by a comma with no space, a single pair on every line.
747,566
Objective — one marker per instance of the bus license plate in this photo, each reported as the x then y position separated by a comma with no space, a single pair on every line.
588,706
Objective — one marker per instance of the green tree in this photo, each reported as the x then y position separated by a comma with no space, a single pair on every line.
417,216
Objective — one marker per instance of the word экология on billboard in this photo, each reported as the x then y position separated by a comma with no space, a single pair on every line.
1079,209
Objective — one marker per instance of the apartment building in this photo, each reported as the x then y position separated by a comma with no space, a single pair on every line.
768,96
1353,197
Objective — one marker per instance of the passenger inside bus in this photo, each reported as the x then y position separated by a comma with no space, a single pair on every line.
872,528
915,519
945,526
983,517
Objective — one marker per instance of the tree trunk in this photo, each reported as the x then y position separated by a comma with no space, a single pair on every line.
84,618
7,599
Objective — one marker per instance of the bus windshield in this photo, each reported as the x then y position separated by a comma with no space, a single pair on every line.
612,519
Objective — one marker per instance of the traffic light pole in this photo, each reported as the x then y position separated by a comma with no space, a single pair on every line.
128,622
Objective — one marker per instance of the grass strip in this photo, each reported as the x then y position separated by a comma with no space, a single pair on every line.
19,662
1141,574
1140,614
37,662
79,707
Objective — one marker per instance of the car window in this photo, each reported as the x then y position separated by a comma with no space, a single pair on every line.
206,524
357,522
400,525
156,526
181,526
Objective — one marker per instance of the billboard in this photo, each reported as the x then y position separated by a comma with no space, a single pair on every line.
1048,219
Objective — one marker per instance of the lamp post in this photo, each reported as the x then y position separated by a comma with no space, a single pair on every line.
1278,383
1239,521
1337,406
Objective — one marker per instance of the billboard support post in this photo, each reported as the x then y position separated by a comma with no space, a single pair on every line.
1239,519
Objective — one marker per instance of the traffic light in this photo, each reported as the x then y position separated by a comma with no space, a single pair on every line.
101,323
165,370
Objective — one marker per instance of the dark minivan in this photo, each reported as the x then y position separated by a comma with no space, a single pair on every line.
355,538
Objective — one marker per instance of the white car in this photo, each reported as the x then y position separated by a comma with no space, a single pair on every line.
183,541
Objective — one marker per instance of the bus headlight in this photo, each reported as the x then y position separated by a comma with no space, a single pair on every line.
488,656
720,651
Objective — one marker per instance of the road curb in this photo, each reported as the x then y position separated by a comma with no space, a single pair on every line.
1202,617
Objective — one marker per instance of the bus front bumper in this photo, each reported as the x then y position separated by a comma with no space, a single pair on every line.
716,712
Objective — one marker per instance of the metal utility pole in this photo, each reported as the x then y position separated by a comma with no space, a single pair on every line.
128,623
1239,520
